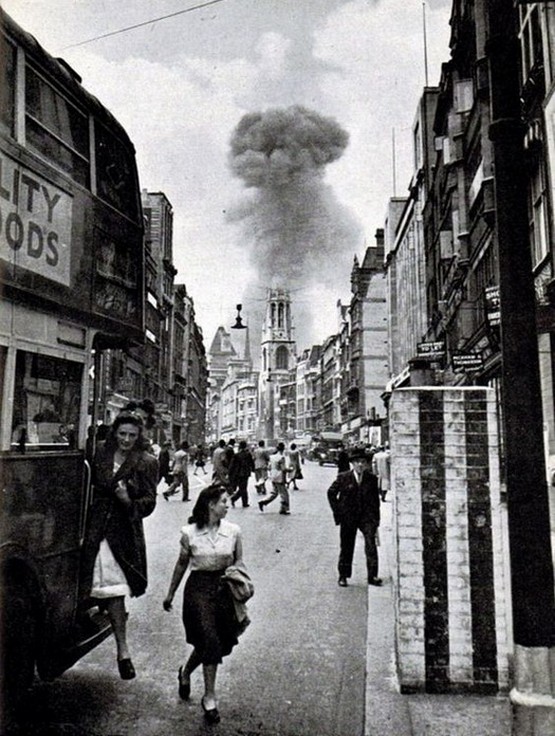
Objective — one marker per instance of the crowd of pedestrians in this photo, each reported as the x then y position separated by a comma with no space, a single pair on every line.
128,467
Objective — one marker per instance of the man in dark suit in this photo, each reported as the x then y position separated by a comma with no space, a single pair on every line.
355,501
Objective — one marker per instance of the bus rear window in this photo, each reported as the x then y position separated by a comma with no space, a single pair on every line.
55,128
47,400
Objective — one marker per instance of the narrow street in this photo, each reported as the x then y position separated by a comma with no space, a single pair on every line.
298,670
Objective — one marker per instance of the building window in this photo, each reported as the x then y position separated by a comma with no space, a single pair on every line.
282,358
464,95
537,213
531,40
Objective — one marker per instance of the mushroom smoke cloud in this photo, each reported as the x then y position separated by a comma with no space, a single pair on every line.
298,234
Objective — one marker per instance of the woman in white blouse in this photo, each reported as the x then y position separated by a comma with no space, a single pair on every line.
209,544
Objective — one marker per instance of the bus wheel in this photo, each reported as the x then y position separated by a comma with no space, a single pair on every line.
18,632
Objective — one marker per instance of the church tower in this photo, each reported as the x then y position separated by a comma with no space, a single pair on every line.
277,346
277,355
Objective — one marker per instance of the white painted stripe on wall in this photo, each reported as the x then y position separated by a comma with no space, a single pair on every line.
501,558
407,514
456,507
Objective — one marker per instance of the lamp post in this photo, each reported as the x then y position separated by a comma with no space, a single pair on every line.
238,320
527,497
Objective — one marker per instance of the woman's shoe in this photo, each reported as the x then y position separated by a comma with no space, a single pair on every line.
211,714
184,685
126,669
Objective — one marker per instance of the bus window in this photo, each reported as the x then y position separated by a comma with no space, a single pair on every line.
55,128
7,87
47,399
115,173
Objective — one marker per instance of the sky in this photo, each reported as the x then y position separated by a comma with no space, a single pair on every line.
270,125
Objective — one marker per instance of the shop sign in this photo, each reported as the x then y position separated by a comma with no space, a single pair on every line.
432,351
467,361
493,313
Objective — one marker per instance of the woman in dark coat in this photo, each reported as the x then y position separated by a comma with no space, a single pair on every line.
125,476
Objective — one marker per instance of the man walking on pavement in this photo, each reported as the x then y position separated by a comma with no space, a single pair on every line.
261,462
179,472
242,466
164,463
355,502
295,472
229,456
343,462
219,464
278,469
381,468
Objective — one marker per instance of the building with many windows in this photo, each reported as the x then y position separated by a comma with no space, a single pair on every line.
170,368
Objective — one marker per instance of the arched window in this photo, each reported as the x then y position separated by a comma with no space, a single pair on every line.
273,317
280,315
282,358
264,366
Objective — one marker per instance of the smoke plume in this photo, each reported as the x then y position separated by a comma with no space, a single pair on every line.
298,235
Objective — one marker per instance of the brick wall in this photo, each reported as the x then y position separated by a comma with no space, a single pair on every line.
451,632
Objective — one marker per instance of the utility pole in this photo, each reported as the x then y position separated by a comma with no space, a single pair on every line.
527,496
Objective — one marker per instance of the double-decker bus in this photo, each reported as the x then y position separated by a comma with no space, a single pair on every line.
71,286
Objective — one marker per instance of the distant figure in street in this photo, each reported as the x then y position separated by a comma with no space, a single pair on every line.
219,464
164,463
179,473
277,473
242,466
200,460
212,548
294,470
261,463
343,463
355,502
230,452
229,455
381,466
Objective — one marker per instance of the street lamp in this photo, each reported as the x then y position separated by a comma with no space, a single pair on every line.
238,321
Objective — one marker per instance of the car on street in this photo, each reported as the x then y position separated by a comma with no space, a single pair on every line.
326,448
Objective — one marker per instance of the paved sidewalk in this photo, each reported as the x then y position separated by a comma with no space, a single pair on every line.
388,712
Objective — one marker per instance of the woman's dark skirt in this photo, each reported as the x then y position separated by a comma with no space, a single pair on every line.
209,616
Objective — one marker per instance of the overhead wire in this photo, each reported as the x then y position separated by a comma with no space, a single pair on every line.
143,23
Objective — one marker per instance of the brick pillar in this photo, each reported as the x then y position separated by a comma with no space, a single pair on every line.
450,599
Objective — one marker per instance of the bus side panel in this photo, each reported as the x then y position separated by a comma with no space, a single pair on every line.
40,512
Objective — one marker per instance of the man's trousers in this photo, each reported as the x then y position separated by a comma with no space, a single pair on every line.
347,538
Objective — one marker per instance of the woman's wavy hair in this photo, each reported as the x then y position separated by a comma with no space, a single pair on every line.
201,509
127,417
148,407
